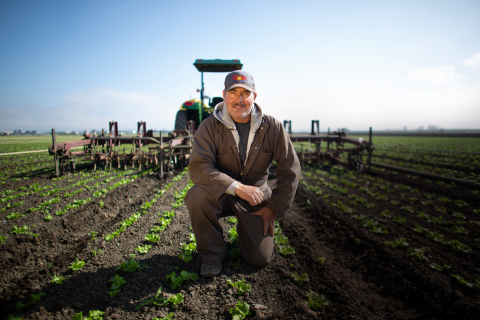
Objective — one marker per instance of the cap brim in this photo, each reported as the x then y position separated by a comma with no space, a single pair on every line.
239,85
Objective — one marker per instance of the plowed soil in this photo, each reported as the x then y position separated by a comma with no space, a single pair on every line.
347,263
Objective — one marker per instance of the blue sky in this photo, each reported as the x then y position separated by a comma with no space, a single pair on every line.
76,65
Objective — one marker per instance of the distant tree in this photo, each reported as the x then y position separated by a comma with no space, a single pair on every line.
27,132
33,132
19,131
15,131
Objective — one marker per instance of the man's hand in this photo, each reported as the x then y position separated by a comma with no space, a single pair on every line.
251,194
268,217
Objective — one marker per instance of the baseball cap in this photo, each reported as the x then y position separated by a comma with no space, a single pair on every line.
241,79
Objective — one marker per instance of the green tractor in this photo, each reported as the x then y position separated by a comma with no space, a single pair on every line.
197,110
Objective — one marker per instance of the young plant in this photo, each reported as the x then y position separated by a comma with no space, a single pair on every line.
232,220
117,283
314,300
57,280
240,285
152,237
76,265
300,279
92,315
418,253
178,280
35,298
400,242
240,311
321,260
48,217
144,249
131,265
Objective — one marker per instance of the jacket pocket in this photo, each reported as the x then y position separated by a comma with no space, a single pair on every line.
262,162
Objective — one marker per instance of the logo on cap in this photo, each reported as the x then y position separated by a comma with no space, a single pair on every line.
239,78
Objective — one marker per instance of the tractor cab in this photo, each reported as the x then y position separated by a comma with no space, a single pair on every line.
196,110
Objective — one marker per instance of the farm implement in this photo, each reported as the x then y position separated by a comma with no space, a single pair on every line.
166,152
172,151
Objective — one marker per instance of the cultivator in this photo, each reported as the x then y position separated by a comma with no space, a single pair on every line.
166,152
336,144
172,151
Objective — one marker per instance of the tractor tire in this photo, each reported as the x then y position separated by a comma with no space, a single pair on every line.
181,120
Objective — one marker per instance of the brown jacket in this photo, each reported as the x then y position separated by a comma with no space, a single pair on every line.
215,162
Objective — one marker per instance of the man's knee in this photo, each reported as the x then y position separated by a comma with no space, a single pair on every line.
260,259
196,195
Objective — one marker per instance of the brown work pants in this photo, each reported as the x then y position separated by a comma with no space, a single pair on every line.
204,213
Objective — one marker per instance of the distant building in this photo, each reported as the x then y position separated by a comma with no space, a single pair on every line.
4,133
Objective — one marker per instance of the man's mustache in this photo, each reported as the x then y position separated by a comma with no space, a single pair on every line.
239,104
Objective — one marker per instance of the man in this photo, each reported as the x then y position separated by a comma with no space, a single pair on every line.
229,167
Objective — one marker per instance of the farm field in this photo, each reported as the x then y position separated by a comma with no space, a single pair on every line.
378,245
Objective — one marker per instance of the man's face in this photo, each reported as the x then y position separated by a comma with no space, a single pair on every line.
239,103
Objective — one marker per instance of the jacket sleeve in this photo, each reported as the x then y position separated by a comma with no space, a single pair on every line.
201,166
288,172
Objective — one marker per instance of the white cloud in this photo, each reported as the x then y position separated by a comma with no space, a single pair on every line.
437,77
473,62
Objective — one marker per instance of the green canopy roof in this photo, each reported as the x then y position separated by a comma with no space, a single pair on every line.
218,65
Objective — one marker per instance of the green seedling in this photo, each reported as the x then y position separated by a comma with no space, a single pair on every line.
14,215
240,285
35,298
143,249
167,317
400,242
439,267
117,283
3,239
152,237
400,220
57,280
101,203
232,220
418,253
240,311
168,214
458,246
48,217
178,280
300,279
385,213
131,265
93,235
321,260
458,229
92,315
76,265
188,250
314,300
474,284
233,235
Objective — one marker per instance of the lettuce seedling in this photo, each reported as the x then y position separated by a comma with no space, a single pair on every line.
240,285
232,220
3,239
144,249
35,298
321,259
233,235
300,279
167,317
57,280
76,265
92,315
400,242
14,215
314,300
131,265
152,237
178,280
240,311
117,283
48,217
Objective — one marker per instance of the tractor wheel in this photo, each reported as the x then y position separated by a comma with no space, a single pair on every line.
181,120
